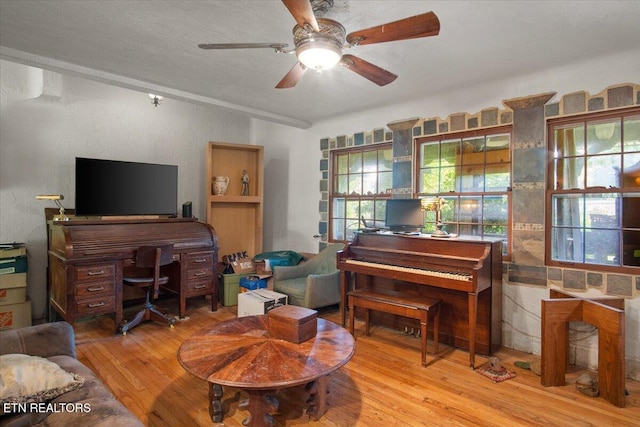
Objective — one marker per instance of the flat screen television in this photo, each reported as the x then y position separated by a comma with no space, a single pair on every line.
112,187
404,215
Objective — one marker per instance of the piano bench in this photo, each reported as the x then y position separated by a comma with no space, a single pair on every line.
414,307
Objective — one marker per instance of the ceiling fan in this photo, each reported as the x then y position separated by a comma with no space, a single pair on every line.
319,43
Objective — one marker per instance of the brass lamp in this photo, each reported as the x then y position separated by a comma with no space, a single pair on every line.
436,206
56,199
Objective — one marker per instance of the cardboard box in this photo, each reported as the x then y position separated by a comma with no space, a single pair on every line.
259,302
14,316
292,323
13,288
229,289
13,265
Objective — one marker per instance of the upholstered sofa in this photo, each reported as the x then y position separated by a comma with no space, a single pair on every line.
312,284
88,404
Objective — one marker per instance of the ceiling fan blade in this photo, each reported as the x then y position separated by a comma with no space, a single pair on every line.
378,75
302,12
293,77
275,46
424,25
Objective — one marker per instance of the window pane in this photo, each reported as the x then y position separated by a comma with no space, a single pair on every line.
498,148
472,178
385,160
470,209
470,229
494,210
352,227
631,210
569,141
430,155
369,183
473,151
569,173
495,231
450,153
602,247
429,181
449,211
631,247
366,210
353,209
342,184
385,185
601,211
355,184
498,177
381,207
631,170
355,162
603,137
603,171
338,210
631,134
567,244
338,229
568,210
370,160
342,161
448,181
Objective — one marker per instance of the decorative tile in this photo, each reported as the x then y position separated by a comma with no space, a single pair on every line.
506,118
324,185
323,227
554,274
378,135
443,127
323,206
402,175
417,131
574,103
618,284
342,141
388,136
595,280
472,123
402,159
489,117
333,144
429,127
324,144
620,96
596,104
325,174
457,122
526,206
358,139
574,279
368,138
324,165
527,274
529,165
552,110
529,126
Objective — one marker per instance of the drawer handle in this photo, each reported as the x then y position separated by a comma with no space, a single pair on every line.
200,260
95,273
100,288
200,273
100,304
200,286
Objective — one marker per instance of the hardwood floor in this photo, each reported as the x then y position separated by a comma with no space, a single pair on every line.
383,385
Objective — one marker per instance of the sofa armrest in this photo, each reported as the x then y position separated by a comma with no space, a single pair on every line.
45,340
323,289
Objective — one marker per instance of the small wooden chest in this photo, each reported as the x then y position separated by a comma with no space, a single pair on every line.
293,323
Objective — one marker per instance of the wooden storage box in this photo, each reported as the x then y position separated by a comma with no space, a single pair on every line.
293,323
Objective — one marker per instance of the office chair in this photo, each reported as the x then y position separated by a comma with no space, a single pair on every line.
149,259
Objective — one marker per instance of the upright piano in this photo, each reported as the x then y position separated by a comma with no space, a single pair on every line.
465,273
87,259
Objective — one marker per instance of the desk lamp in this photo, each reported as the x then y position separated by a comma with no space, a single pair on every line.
56,198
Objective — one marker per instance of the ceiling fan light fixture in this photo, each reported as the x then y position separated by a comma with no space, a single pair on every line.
319,54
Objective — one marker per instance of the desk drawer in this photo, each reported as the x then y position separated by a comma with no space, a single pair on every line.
95,306
195,274
95,272
199,260
95,289
199,287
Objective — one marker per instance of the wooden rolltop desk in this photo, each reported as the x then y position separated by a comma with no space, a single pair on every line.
464,273
87,258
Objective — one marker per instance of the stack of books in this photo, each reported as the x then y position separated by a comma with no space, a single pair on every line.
15,306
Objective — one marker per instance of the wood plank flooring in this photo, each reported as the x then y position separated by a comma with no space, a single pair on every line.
383,385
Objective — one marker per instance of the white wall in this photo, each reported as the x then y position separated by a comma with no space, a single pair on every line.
40,136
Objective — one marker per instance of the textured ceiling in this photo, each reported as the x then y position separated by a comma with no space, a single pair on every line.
152,46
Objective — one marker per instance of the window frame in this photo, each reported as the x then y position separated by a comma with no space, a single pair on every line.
463,135
348,197
583,119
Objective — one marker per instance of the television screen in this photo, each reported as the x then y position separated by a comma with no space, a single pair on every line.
111,187
404,215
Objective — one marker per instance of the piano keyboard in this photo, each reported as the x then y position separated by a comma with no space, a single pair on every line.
433,273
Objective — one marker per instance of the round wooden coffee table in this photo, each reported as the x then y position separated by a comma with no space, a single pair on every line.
240,353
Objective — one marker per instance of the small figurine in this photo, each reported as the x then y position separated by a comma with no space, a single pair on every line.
245,182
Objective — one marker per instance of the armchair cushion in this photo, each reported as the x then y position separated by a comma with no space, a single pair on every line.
312,284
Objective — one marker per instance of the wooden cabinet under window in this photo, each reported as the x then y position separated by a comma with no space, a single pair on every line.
237,218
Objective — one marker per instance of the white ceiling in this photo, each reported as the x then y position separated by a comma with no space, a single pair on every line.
152,46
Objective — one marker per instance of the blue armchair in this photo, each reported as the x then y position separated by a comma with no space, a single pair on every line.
312,284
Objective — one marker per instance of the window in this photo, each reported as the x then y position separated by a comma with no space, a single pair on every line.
472,172
361,182
594,191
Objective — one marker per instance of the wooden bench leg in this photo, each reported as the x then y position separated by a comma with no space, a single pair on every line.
436,325
424,323
352,315
366,322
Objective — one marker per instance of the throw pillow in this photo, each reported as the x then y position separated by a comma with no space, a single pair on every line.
32,379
